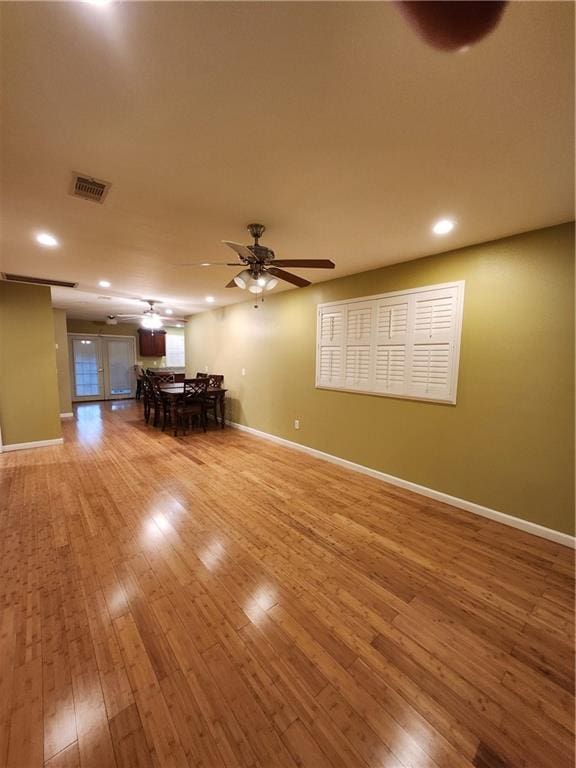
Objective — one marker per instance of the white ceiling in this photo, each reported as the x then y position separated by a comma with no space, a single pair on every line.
331,123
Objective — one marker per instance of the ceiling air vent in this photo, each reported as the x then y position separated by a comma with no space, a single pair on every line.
37,280
88,188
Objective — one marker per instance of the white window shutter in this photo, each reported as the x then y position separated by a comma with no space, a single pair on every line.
432,357
357,372
330,351
332,325
392,323
359,324
358,345
434,315
391,345
430,371
402,344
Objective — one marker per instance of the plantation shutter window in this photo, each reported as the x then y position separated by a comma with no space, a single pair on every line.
330,354
432,353
402,344
391,345
358,368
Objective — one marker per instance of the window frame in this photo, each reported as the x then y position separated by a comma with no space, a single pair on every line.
183,351
411,343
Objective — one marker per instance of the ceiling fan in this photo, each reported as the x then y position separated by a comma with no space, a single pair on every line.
149,318
262,269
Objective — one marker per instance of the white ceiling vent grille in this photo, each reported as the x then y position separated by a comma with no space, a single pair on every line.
89,188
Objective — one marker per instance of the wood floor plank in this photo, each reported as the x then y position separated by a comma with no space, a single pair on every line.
67,758
219,601
7,669
130,745
26,744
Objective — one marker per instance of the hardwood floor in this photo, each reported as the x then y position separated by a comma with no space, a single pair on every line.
217,600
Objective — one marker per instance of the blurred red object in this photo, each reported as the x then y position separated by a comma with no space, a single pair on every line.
452,24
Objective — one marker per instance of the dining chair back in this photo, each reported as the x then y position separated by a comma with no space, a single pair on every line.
163,378
147,396
200,375
215,380
193,403
195,389
160,402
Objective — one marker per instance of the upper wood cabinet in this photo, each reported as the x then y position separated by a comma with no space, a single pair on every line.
151,343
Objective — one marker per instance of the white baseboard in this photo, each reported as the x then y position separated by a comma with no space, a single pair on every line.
477,509
68,415
36,444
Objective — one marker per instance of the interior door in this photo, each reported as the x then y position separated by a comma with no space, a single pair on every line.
87,368
119,360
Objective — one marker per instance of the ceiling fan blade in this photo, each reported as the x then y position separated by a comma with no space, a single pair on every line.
289,277
206,264
308,263
231,284
242,250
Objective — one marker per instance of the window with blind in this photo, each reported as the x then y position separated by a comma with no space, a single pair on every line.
403,344
175,357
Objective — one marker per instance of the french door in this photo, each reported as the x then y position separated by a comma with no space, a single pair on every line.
102,367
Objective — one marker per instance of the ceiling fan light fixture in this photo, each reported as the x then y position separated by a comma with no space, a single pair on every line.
266,282
243,278
255,286
151,322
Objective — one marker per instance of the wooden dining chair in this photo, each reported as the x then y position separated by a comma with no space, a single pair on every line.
161,408
147,396
140,373
164,378
192,403
215,381
200,375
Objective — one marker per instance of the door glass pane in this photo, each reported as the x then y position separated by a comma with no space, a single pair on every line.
86,377
120,366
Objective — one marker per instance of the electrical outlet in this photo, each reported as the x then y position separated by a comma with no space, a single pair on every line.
243,371
296,423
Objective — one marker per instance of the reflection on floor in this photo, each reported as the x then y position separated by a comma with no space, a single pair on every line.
217,600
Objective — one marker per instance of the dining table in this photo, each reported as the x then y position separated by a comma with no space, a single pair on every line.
174,392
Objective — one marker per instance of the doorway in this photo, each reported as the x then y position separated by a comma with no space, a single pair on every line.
102,367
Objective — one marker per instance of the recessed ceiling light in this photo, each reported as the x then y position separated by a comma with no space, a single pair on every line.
210,299
443,226
47,240
97,2
104,284
169,311
179,325
205,264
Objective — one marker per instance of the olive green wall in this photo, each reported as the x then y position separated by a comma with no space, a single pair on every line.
62,362
29,406
508,442
122,329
